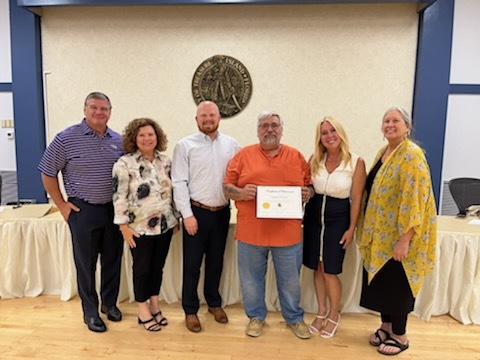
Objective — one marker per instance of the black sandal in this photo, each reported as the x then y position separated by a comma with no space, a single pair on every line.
394,343
163,320
154,327
378,337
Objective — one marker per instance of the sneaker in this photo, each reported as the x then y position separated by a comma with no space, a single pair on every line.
255,327
300,330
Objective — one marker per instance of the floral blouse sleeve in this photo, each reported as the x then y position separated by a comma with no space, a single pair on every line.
120,181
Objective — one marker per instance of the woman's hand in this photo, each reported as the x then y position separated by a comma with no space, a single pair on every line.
347,238
129,235
400,250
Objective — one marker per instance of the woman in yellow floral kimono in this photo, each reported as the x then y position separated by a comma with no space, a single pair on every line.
397,232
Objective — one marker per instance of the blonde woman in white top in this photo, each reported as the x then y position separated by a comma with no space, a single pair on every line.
338,177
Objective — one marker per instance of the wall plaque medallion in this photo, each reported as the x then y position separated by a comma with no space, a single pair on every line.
225,81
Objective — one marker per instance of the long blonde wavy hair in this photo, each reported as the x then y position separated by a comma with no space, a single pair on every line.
320,151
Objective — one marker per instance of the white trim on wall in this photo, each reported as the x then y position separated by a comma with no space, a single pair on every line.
5,48
465,67
460,157
8,160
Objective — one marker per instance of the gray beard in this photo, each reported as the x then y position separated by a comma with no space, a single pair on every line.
270,142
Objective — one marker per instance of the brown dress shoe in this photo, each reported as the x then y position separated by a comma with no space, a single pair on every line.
192,322
218,314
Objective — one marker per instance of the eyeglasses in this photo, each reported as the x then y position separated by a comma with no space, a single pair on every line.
274,126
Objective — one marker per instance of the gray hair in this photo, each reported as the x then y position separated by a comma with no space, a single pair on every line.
404,114
268,114
98,96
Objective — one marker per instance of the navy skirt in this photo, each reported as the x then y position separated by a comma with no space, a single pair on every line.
325,228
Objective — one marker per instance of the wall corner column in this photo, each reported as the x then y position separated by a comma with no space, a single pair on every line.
432,84
28,108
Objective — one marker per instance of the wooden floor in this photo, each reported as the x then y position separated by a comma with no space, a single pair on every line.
48,328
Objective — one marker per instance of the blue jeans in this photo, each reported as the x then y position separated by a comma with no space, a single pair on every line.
252,268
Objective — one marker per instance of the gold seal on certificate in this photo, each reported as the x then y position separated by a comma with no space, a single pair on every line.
279,202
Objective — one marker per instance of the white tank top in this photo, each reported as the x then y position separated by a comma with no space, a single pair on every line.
338,184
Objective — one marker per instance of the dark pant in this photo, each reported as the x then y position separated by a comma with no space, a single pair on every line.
210,240
389,293
148,260
399,323
94,233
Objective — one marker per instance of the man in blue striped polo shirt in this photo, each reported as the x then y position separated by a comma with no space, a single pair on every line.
85,154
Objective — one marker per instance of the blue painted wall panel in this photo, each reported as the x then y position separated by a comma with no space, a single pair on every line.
5,87
28,109
432,84
465,89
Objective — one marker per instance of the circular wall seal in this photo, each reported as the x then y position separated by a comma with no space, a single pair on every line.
225,81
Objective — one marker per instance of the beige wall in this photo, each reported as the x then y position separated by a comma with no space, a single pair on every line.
349,61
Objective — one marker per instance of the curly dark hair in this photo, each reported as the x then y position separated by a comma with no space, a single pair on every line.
131,130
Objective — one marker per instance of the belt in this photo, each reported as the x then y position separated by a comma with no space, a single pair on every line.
89,203
211,208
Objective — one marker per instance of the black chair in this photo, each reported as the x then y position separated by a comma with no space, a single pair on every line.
465,192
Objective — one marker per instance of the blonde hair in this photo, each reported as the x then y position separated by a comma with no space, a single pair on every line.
320,151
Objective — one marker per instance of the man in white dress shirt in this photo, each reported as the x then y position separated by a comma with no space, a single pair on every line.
198,168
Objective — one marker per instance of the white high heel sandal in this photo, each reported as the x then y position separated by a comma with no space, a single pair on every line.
327,335
313,329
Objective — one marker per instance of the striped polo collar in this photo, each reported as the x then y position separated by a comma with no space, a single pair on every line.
87,130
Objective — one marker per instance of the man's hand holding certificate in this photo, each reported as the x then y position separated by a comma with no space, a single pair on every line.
279,202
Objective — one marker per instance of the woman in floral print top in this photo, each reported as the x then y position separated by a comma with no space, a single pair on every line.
397,233
142,197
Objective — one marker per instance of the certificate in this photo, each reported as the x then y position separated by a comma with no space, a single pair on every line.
279,202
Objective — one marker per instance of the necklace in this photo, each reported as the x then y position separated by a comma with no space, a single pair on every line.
333,160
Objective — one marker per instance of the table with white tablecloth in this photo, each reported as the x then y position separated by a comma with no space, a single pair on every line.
36,258
454,286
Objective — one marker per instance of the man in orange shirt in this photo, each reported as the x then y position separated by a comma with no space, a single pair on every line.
268,163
